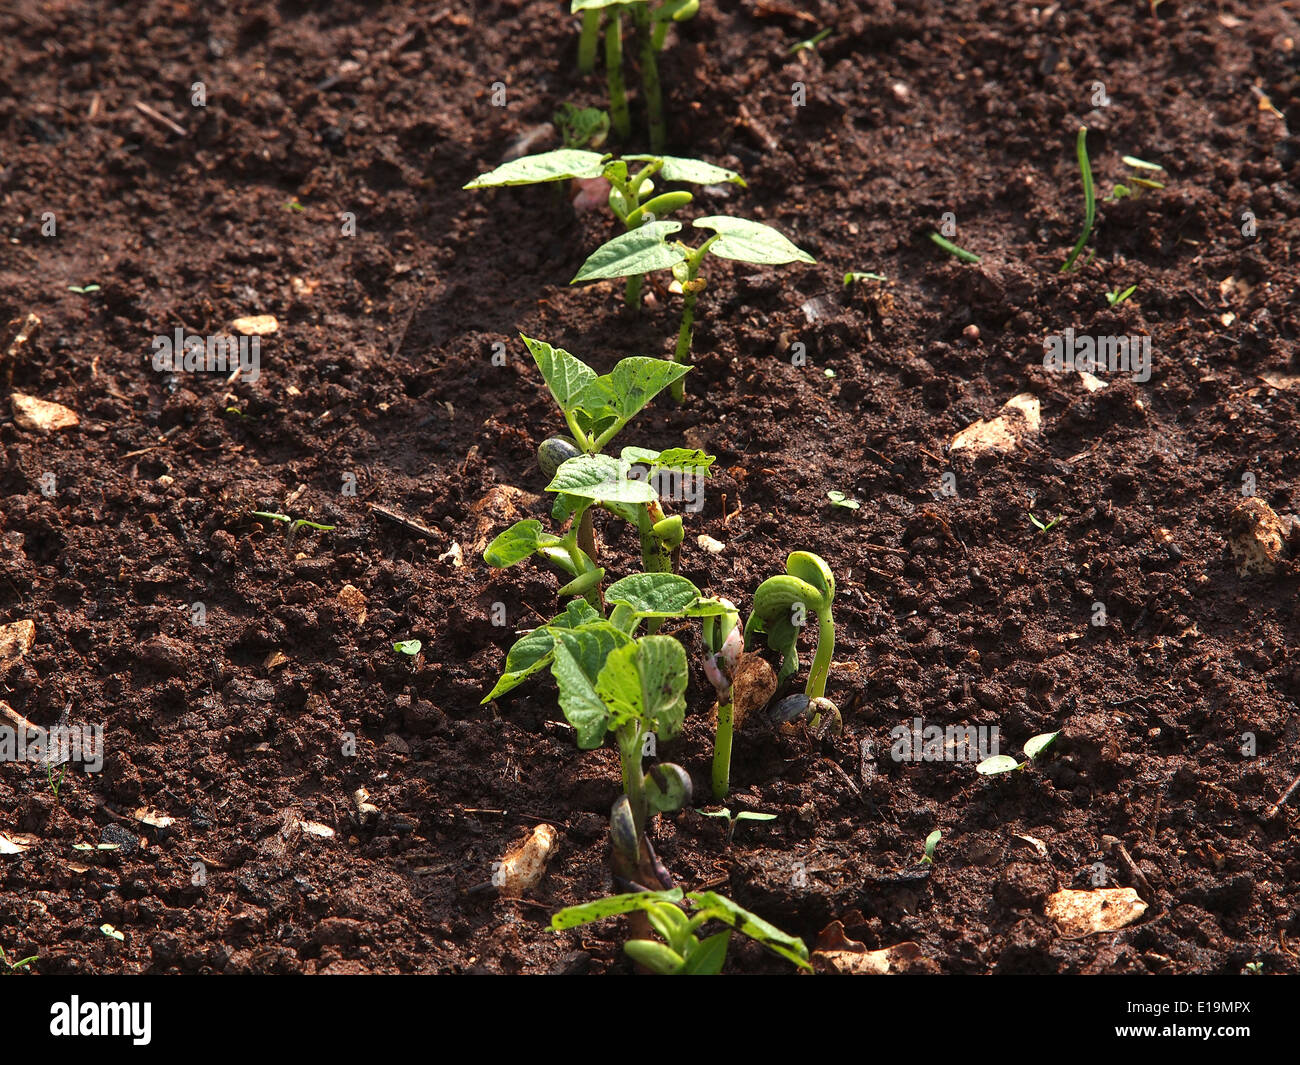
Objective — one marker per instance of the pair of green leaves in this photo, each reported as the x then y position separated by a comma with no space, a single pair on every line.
595,406
564,164
1004,763
683,953
807,582
646,248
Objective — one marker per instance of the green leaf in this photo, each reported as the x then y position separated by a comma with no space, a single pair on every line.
530,654
575,615
636,380
600,477
612,906
646,681
690,459
1139,164
839,499
708,958
667,919
1036,745
567,376
583,5
723,909
639,251
408,647
998,763
654,956
521,540
690,171
662,595
582,707
751,242
750,815
559,165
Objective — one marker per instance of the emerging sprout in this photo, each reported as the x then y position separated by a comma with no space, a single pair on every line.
1089,198
931,842
723,646
780,608
733,821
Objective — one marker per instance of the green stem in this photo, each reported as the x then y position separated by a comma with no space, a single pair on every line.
630,742
821,664
722,752
588,41
618,114
632,291
683,351
650,78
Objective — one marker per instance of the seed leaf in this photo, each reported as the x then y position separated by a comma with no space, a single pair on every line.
559,165
631,254
690,171
751,242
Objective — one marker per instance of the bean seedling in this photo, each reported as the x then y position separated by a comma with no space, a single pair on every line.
723,644
408,647
839,499
632,198
682,952
781,605
651,21
647,248
1004,763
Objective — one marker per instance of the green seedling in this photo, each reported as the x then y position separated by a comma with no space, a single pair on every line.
851,278
613,681
1135,183
781,606
1116,297
55,785
1089,197
647,248
112,933
581,127
952,249
408,647
651,22
682,952
295,524
811,43
632,196
931,842
1254,968
83,290
1049,526
295,206
19,965
734,820
723,644
1004,763
596,408
839,499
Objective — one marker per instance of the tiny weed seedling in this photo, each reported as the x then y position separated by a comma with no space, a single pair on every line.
647,248
1089,198
952,249
294,523
1004,763
408,647
83,290
16,966
851,278
1135,183
839,499
931,842
734,819
632,197
1115,297
55,785
781,606
651,21
810,45
1045,528
682,952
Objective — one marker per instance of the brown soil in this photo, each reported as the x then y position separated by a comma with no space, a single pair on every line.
952,609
